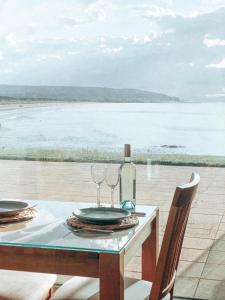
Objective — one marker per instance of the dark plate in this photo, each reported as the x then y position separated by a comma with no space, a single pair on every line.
101,215
11,207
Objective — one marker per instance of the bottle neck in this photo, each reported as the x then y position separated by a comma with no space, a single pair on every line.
127,159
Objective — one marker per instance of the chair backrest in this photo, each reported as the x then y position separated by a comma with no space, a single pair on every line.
168,260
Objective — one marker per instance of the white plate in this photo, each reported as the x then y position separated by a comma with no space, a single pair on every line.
101,215
11,207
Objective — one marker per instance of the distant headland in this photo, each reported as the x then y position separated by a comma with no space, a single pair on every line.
82,94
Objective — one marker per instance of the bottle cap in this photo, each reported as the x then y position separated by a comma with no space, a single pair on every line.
127,150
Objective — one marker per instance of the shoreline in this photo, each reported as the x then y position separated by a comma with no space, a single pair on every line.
7,105
94,156
33,101
11,105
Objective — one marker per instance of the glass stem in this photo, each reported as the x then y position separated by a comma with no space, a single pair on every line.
112,197
98,195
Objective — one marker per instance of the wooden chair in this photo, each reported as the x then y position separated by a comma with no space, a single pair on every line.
15,285
79,288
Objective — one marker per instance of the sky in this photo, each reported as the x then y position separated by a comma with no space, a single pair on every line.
169,46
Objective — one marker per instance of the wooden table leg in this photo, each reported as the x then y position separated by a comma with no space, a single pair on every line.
150,251
111,273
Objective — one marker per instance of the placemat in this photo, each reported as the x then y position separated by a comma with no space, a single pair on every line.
25,215
123,224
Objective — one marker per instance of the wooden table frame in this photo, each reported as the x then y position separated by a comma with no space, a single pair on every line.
107,266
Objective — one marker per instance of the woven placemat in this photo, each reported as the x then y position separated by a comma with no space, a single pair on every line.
25,215
123,224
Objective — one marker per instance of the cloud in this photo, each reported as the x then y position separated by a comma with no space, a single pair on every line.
179,8
220,65
153,11
108,50
141,40
73,52
212,42
95,11
102,42
217,95
20,50
99,10
48,56
10,38
69,21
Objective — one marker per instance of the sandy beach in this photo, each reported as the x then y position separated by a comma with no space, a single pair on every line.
8,104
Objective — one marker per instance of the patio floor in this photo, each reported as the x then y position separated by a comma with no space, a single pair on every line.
201,271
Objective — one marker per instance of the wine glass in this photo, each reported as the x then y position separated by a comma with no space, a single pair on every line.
98,173
112,179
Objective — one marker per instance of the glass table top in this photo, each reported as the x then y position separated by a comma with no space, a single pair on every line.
47,229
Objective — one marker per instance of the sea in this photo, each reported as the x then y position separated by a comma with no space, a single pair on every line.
171,128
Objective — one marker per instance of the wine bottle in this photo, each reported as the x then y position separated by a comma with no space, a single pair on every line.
127,181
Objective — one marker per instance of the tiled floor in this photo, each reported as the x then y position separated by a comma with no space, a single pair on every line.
201,271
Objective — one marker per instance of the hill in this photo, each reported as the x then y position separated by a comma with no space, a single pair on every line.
89,94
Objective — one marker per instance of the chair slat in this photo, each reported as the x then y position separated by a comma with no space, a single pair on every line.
173,239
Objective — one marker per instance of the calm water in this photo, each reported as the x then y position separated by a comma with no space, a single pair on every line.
160,128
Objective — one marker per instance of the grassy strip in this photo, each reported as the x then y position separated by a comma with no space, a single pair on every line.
86,155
